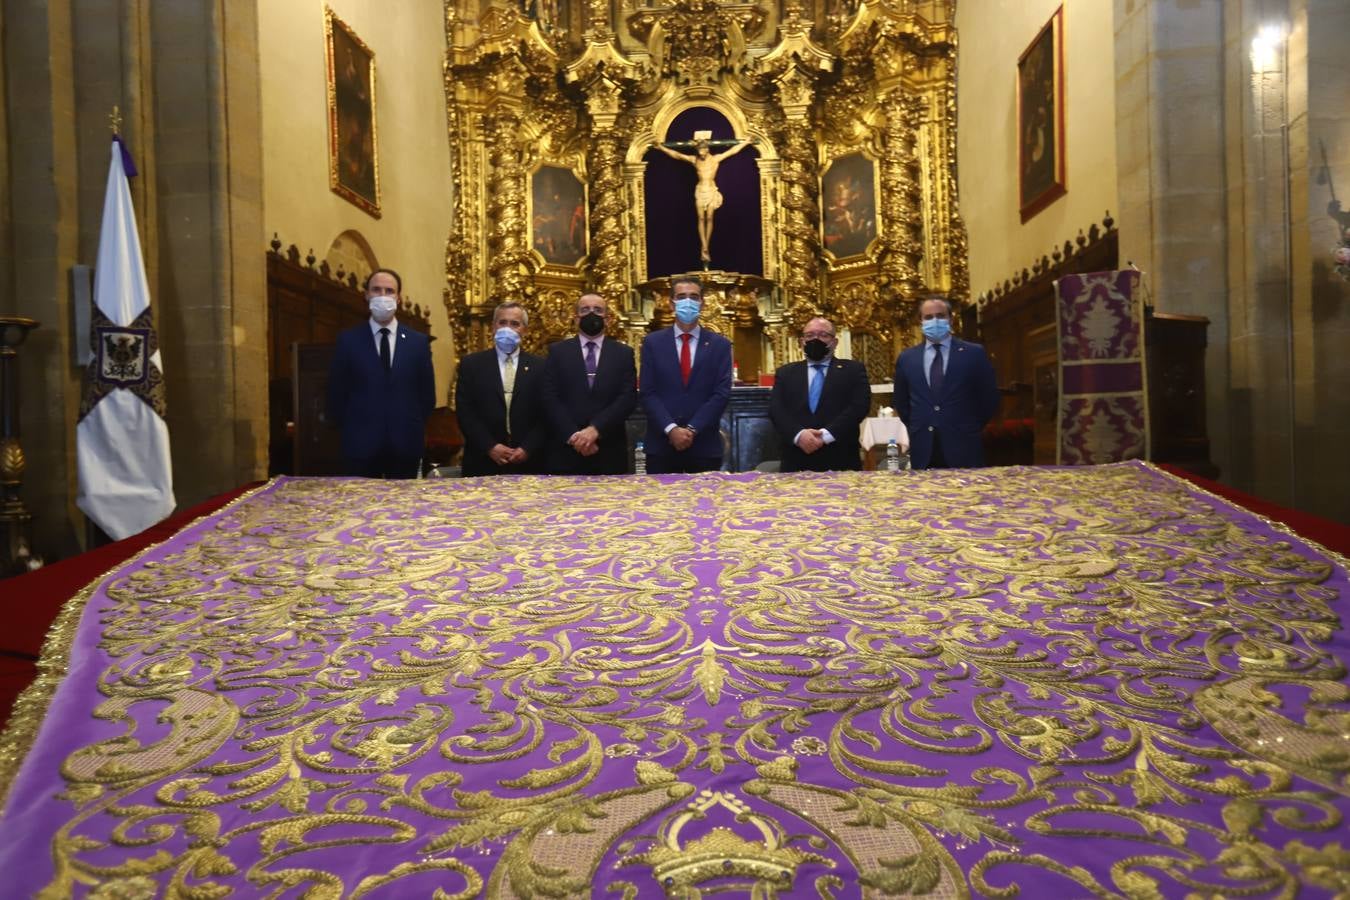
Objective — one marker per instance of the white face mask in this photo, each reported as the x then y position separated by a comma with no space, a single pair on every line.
383,308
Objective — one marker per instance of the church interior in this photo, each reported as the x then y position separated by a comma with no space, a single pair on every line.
1113,662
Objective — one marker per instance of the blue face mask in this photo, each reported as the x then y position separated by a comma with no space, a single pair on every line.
936,329
686,310
506,340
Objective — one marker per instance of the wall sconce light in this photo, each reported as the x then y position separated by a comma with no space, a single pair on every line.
1266,47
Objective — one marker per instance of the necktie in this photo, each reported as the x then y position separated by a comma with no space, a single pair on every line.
385,356
684,357
817,385
509,386
935,370
590,363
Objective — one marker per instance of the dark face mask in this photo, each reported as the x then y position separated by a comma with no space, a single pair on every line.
592,324
816,349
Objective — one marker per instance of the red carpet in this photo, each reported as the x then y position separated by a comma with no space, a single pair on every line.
32,601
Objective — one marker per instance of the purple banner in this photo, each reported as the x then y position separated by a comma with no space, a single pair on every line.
1103,407
1102,378
1049,682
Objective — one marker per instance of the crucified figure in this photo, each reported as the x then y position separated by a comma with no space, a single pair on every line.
707,198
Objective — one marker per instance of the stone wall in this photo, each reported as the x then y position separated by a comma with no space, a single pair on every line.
1223,113
185,76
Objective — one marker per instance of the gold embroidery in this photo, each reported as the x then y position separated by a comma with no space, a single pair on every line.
905,675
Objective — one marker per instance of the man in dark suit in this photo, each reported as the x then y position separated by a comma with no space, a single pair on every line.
685,386
588,392
381,387
497,400
945,392
817,406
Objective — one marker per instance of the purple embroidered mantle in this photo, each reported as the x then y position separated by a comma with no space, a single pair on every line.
1071,681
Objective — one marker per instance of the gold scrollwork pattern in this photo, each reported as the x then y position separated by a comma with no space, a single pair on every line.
1087,682
600,83
509,255
801,229
611,268
901,198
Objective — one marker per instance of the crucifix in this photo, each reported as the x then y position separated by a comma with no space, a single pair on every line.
707,198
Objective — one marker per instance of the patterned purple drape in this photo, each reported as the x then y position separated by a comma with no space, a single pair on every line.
1064,682
1103,406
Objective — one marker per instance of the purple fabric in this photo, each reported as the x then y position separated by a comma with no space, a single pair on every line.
1103,408
591,362
1102,378
1067,681
128,164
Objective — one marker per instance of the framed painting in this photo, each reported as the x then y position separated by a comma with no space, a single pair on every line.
353,149
1040,119
558,229
849,205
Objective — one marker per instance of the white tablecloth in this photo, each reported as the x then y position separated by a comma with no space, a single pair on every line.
878,430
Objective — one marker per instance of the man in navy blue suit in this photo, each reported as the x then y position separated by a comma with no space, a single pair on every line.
381,387
588,392
685,384
945,392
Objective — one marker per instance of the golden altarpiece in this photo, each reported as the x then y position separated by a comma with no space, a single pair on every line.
584,89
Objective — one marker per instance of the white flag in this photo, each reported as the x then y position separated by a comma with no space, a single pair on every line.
122,442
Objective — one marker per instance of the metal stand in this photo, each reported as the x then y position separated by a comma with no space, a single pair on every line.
16,554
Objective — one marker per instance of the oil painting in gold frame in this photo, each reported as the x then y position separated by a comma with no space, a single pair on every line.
1040,119
353,149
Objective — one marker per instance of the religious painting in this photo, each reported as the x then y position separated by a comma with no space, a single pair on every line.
353,159
558,215
1040,119
849,200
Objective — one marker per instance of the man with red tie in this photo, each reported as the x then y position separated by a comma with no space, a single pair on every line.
945,392
685,385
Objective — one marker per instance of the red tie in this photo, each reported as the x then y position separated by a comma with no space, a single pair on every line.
684,358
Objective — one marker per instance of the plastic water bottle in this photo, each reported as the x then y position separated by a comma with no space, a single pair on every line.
892,456
640,459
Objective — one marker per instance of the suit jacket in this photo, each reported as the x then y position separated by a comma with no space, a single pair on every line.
480,404
844,400
571,404
381,411
667,400
969,399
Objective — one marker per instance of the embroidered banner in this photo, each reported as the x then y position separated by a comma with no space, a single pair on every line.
1031,682
121,439
1103,402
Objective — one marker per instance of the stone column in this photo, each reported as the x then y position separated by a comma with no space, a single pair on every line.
211,288
1173,181
42,186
